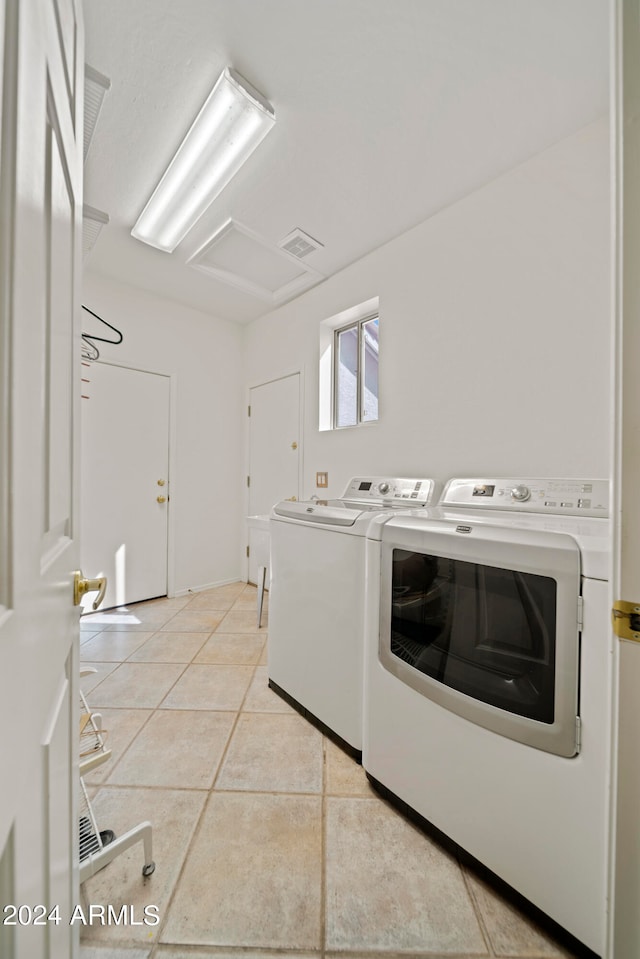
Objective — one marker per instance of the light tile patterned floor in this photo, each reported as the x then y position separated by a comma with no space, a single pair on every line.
266,835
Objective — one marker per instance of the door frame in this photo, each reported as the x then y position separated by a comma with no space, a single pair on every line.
173,407
624,878
300,372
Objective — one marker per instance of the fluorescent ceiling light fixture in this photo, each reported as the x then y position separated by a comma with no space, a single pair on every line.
233,121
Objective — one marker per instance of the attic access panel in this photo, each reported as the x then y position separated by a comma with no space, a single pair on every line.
238,256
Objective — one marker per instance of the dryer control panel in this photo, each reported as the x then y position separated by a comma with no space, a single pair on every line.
575,497
390,490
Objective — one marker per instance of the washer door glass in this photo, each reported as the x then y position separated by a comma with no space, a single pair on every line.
483,621
484,631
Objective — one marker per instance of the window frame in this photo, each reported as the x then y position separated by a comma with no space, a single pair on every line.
360,370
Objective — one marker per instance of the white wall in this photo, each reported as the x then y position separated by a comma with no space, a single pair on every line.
205,354
495,344
494,332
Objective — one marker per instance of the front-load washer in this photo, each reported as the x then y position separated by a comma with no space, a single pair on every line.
317,595
488,683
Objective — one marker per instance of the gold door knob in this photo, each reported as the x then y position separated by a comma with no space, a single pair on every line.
161,482
82,586
161,499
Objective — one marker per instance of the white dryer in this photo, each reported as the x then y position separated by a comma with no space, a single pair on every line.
317,596
488,683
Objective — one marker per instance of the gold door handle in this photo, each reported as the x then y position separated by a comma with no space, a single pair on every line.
82,586
161,499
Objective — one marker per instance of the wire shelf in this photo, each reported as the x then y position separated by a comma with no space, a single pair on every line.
97,848
93,751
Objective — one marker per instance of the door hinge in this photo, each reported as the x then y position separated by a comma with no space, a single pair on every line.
580,613
247,552
626,620
578,734
248,411
248,481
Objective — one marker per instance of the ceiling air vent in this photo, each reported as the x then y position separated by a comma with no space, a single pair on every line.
300,244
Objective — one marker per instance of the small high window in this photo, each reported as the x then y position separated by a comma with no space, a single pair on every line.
355,373
348,368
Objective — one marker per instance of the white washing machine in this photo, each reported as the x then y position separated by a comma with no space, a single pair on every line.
488,683
317,595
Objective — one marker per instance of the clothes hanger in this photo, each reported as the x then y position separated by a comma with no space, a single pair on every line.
88,337
89,350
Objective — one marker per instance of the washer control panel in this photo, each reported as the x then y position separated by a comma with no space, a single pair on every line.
573,496
390,491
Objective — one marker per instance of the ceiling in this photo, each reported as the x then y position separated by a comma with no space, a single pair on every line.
386,113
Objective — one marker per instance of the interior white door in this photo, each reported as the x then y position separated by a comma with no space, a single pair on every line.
625,940
274,452
41,69
125,481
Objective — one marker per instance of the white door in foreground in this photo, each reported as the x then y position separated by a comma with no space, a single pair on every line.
41,74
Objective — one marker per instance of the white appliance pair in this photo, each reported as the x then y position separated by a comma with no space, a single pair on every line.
487,666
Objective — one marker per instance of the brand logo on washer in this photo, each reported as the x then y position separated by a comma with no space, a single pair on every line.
463,529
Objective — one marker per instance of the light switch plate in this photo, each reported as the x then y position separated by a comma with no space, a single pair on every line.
322,480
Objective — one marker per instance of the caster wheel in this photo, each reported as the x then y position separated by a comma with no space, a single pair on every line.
148,869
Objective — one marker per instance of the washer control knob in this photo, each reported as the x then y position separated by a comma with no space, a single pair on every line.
384,488
521,494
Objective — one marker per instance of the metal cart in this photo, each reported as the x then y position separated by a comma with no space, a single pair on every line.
99,848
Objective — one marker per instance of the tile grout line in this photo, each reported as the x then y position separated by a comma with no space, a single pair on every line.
231,733
150,662
205,804
104,631
477,910
189,844
197,821
116,761
152,711
239,710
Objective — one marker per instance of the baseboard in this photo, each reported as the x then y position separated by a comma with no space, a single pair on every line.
200,589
